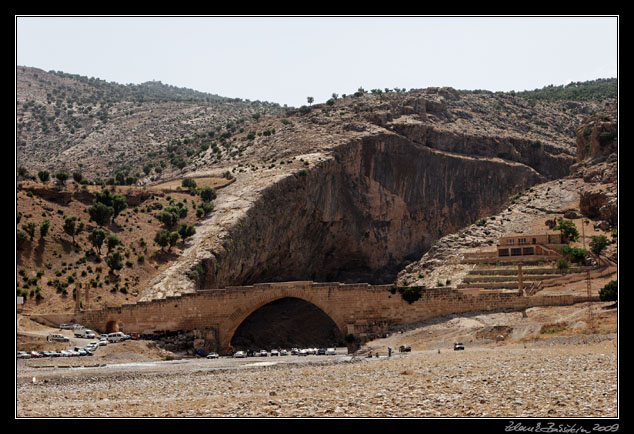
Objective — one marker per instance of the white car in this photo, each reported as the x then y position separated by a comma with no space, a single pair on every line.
239,354
302,352
212,355
23,355
56,337
275,353
283,353
116,337
331,352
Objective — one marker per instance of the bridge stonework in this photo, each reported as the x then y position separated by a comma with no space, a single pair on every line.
354,308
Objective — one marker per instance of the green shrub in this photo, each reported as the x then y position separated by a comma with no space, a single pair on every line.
410,294
610,291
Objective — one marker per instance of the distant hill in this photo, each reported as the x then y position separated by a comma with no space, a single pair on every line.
70,122
594,90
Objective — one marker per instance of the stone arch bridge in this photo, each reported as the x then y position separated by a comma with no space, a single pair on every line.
360,310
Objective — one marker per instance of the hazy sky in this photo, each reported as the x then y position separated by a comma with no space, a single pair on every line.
286,59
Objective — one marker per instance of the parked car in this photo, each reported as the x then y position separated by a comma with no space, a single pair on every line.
92,346
116,337
212,355
135,336
23,355
321,351
283,353
275,353
404,349
302,352
103,342
294,351
65,353
85,333
458,346
263,353
77,326
239,354
66,326
36,354
56,337
331,352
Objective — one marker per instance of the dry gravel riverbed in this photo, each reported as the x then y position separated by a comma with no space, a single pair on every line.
568,377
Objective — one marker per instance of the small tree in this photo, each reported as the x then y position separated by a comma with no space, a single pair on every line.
173,239
186,231
78,177
188,183
72,227
161,238
112,241
44,175
610,291
29,228
598,243
100,213
310,100
21,237
97,237
115,261
207,194
44,227
568,230
61,177
116,202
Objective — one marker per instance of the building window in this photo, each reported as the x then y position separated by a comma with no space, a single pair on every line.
509,242
528,251
516,252
503,252
521,241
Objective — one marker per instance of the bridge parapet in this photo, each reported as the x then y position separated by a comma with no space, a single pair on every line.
352,307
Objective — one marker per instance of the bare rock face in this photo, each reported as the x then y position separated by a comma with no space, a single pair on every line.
383,186
374,204
597,156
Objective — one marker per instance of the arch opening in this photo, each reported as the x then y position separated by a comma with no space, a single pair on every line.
112,327
286,323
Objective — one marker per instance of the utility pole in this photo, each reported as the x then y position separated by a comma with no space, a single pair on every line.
588,283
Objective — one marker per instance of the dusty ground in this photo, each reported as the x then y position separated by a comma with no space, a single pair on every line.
537,371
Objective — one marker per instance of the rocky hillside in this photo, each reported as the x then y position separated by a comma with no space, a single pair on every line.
351,190
74,123
355,189
589,193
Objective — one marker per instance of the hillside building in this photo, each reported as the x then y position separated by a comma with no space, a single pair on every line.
529,245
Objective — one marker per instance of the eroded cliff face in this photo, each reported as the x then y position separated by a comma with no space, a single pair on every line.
373,205
384,183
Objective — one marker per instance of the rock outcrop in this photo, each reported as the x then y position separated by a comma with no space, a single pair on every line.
379,191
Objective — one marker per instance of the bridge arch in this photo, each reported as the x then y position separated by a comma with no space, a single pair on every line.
241,315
